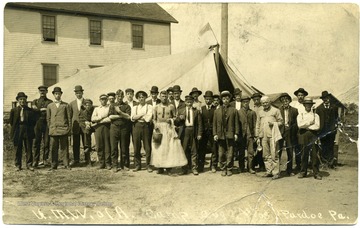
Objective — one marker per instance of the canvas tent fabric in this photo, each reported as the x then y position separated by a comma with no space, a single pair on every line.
193,68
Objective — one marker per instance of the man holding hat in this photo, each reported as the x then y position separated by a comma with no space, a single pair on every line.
75,107
237,102
225,131
86,127
300,93
195,93
289,132
58,116
22,121
207,139
308,123
100,116
141,116
129,94
41,128
329,119
190,132
247,119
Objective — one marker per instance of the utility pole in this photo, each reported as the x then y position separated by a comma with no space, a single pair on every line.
224,31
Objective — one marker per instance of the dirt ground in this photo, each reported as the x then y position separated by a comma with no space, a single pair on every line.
90,196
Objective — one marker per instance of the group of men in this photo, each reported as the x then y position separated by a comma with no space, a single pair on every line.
224,126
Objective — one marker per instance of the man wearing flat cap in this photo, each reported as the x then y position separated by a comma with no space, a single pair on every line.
100,116
247,120
195,93
22,121
129,94
225,132
300,94
308,123
329,119
86,127
58,116
190,133
141,116
77,133
289,132
111,98
41,128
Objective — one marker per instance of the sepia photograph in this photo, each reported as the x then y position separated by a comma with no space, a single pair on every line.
187,113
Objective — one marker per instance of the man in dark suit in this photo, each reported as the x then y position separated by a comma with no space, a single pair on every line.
41,128
58,116
177,102
225,131
207,140
237,102
22,121
154,100
329,119
289,132
75,107
86,127
247,118
190,132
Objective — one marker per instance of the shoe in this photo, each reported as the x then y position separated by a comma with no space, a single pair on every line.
126,168
108,167
89,164
101,167
213,169
252,171
149,169
136,169
195,172
52,169
318,177
267,175
115,170
229,173
74,163
30,168
290,174
35,164
223,173
18,169
184,172
276,176
67,167
301,175
160,171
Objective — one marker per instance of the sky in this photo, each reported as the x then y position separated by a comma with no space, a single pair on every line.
279,47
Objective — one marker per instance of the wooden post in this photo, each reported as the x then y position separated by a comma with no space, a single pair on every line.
224,31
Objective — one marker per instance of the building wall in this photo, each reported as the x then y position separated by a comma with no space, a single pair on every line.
25,52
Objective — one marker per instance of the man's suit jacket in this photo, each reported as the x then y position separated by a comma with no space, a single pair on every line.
328,119
293,127
181,106
207,117
158,101
29,123
75,112
226,128
59,119
233,104
198,127
41,103
247,122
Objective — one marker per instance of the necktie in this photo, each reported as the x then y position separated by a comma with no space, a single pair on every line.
163,112
188,115
22,115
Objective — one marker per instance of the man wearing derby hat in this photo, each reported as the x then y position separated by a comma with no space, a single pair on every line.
141,116
58,116
289,134
329,119
225,132
154,100
195,93
300,93
22,121
41,128
237,102
247,119
76,106
170,95
308,123
178,103
207,143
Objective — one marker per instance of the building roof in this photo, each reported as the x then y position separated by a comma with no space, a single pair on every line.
133,11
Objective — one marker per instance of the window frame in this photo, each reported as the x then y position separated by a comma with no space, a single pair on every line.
42,27
56,72
143,36
101,31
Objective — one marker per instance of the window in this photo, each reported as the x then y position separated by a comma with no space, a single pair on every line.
137,36
48,28
50,74
95,32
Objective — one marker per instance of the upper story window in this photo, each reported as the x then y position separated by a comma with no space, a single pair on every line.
137,36
50,72
95,32
49,28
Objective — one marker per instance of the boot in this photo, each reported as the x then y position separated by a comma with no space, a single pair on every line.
87,158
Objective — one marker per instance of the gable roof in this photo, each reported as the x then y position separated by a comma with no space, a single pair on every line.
134,11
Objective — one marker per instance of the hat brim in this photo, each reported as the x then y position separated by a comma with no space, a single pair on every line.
322,97
76,90
198,91
304,92
286,96
18,97
57,92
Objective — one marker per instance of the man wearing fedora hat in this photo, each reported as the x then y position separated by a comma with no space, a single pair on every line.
41,128
329,119
207,143
237,102
225,132
75,108
22,121
195,93
141,116
59,121
289,131
300,93
247,119
308,123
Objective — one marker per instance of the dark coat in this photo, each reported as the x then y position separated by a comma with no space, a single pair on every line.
247,122
226,128
207,117
198,127
293,127
41,103
58,119
75,112
181,106
29,123
158,101
85,115
328,119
